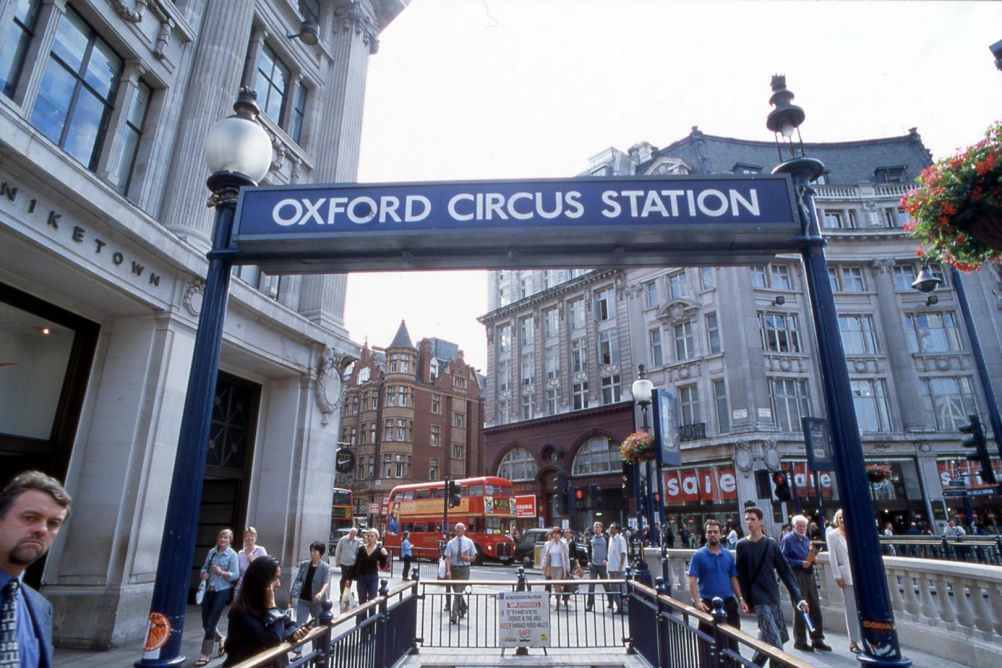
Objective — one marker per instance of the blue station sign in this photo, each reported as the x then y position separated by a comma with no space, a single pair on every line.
579,222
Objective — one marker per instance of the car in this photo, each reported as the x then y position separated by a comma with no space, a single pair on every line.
525,551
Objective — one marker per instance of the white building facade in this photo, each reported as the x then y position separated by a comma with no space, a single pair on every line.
736,345
103,232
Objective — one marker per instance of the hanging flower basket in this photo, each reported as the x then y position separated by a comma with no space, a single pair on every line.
638,447
878,472
956,212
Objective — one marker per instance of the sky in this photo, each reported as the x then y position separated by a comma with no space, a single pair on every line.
499,89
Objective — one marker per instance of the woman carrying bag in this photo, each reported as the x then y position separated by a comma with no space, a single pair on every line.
219,572
309,589
556,563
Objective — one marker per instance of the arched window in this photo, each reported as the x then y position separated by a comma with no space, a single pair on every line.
597,455
517,465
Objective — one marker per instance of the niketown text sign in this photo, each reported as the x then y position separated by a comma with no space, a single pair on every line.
479,224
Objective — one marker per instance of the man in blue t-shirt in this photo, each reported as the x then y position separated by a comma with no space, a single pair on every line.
712,574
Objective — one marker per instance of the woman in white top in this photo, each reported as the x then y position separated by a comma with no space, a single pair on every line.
556,561
839,551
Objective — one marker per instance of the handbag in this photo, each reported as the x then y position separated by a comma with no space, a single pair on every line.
441,569
200,594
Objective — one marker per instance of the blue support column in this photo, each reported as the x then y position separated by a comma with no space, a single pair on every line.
170,591
880,639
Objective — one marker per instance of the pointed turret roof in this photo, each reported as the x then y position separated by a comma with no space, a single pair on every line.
402,338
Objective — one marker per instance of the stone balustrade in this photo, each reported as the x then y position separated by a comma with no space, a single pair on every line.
946,608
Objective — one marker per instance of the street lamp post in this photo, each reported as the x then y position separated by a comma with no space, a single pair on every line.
642,390
238,153
880,639
927,282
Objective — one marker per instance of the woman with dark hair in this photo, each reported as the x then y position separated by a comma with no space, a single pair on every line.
309,589
256,623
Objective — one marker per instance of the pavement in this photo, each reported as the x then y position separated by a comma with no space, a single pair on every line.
460,657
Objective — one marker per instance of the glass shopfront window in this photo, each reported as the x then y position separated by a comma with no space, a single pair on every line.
34,354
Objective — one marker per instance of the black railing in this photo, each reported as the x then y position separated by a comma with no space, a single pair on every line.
692,432
670,634
973,549
373,635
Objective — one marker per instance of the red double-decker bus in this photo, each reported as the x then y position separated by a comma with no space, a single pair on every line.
342,511
486,507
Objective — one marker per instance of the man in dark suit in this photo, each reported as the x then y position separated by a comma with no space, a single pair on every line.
33,507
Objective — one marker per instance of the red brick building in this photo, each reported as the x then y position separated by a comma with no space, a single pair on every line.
411,414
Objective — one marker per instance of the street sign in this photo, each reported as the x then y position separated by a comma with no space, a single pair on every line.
344,461
666,432
982,491
578,222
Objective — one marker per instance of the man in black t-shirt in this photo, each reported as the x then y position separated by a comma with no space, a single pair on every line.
759,559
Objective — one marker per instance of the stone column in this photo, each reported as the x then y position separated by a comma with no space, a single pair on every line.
903,377
336,136
217,67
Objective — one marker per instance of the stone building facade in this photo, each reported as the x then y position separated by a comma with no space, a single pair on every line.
735,344
103,231
411,414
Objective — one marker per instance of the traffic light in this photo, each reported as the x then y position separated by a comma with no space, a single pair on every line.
782,486
596,496
560,483
975,438
628,473
455,493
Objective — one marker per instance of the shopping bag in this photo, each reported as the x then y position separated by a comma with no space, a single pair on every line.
441,569
348,600
201,593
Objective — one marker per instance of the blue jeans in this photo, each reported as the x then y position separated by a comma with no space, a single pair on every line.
368,590
213,604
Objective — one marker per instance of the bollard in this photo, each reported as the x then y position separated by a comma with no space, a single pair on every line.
522,582
327,620
719,617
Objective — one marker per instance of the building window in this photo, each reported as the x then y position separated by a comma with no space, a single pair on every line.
685,348
274,85
577,308
932,332
354,405
310,10
403,430
435,439
526,331
548,279
458,451
611,389
502,416
889,174
723,411
790,401
949,399
523,288
132,134
580,396
458,420
688,404
391,396
528,370
598,455
15,45
552,401
869,398
551,361
605,304
904,276
436,404
781,277
846,279
833,220
518,466
433,468
579,355
387,466
779,332
399,467
654,338
608,347
388,430
677,285
373,430
758,276
504,338
527,407
707,278
78,88
651,290
858,335
404,397
504,376
551,323
713,334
